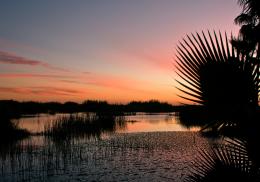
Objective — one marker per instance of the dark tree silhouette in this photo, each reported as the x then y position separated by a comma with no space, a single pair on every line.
248,40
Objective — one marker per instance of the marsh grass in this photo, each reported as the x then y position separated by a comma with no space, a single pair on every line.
83,125
10,132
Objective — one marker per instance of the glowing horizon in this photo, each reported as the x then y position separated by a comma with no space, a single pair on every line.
115,51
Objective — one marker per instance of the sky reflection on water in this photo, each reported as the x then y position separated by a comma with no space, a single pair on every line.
141,122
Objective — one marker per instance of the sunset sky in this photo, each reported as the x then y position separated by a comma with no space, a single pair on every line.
115,50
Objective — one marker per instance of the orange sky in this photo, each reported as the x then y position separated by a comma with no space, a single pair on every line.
116,51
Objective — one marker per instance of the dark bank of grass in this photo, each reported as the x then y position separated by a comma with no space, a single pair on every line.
16,109
9,132
221,121
81,125
192,116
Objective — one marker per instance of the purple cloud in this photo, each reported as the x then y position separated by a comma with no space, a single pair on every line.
10,58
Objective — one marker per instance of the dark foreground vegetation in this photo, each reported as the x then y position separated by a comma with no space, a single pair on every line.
83,125
16,109
96,117
224,78
9,132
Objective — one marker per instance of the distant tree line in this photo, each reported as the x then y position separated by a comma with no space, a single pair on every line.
12,109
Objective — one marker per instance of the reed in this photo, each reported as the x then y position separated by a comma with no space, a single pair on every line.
81,125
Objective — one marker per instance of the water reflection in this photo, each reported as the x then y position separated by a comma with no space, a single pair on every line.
143,147
36,123
236,156
159,156
140,122
83,125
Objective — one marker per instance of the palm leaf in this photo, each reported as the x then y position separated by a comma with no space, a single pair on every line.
228,161
213,73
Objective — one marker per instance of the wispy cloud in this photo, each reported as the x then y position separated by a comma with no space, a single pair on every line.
55,90
102,81
73,81
11,58
29,75
109,81
86,72
12,90
120,83
41,91
6,44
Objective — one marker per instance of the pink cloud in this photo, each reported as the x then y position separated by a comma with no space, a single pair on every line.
8,44
73,81
86,72
41,91
55,90
13,90
111,82
106,81
11,58
117,82
28,75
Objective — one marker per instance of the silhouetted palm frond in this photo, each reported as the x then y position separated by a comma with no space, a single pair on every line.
251,7
213,73
225,162
243,19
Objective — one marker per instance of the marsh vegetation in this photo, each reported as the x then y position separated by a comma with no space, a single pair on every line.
113,154
219,73
83,124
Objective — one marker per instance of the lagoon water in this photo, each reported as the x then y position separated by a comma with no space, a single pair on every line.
150,147
140,122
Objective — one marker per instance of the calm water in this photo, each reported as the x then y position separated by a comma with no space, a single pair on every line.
141,122
150,148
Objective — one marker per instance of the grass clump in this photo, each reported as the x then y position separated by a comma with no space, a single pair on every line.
81,125
9,131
